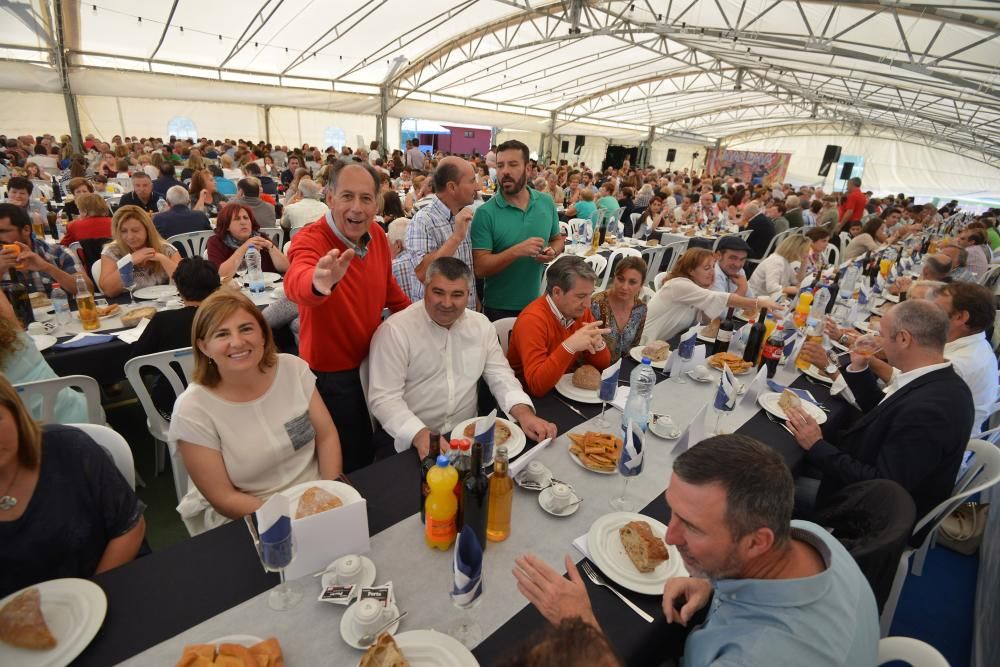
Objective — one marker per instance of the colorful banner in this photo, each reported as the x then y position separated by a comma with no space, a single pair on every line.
748,166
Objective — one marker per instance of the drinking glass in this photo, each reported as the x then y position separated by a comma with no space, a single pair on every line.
685,353
607,393
867,345
466,629
623,502
127,274
275,557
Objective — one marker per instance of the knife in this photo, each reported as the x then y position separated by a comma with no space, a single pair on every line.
571,407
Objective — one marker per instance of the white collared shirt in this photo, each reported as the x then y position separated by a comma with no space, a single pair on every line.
423,375
724,283
900,380
972,357
567,322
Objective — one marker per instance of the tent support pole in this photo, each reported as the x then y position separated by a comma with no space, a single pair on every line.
267,123
551,138
62,65
382,119
645,149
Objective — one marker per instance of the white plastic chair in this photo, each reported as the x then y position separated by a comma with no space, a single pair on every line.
775,242
911,651
48,391
832,255
677,248
653,257
565,229
193,244
115,445
616,256
845,238
95,274
157,425
598,263
273,233
504,328
991,277
634,217
984,469
659,280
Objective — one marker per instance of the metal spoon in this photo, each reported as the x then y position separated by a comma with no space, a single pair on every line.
370,638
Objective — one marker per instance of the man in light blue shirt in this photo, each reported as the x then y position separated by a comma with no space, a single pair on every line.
778,592
730,256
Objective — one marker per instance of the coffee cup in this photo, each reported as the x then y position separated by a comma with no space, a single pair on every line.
36,328
560,496
701,372
348,569
369,615
535,472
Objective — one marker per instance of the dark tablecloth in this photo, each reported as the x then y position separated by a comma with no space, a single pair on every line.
156,597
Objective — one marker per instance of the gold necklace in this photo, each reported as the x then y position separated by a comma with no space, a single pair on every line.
8,502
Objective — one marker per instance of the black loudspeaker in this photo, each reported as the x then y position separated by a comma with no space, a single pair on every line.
565,147
671,154
845,171
830,157
578,144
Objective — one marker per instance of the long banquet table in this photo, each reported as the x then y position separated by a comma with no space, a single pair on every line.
212,585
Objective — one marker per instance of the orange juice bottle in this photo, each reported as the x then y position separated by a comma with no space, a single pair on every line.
441,505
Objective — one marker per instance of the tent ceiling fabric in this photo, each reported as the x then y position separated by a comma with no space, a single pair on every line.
701,70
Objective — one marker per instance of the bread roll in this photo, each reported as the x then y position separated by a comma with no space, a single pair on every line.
658,350
316,500
134,316
644,550
787,400
587,377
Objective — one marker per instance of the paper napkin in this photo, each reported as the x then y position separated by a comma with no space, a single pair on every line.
522,461
85,339
757,385
133,334
695,431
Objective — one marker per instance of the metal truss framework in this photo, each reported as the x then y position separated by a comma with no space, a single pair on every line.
705,70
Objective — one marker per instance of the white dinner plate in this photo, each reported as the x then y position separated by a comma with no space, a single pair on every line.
154,292
573,457
270,277
44,341
608,553
566,388
891,298
347,493
815,374
74,610
636,353
769,401
117,313
515,443
242,640
865,327
427,648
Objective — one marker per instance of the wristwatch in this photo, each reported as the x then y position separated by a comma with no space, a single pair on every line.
843,339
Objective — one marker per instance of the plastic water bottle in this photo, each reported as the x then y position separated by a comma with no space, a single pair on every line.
850,278
61,224
60,304
253,270
641,383
820,302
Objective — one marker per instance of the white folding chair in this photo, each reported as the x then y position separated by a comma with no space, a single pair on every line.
984,469
43,394
192,244
677,248
273,233
504,328
177,367
618,255
115,445
911,651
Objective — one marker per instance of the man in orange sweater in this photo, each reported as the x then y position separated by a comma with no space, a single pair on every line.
556,330
341,278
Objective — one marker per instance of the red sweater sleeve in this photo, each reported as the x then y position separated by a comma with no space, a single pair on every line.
541,368
302,257
70,234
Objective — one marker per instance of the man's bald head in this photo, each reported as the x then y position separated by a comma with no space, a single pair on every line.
455,182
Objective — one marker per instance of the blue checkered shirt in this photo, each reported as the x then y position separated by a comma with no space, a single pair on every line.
428,231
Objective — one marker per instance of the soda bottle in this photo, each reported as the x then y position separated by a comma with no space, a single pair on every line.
425,467
440,507
501,498
771,354
60,305
85,305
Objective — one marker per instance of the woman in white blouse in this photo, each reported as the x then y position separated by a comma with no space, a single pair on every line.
251,423
782,271
686,298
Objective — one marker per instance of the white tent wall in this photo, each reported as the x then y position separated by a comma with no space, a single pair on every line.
658,154
33,113
891,166
293,127
107,116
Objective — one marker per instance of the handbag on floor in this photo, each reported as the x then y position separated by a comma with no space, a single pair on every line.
962,530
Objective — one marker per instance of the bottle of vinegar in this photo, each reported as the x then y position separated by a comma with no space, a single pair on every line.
501,498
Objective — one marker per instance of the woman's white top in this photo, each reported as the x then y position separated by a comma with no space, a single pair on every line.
772,275
678,305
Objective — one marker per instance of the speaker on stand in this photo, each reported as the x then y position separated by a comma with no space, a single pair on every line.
671,156
830,157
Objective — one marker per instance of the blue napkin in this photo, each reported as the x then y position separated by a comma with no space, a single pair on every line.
801,393
467,567
86,341
725,396
276,548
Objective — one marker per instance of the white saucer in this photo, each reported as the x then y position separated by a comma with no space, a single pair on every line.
544,481
43,341
366,578
545,496
351,636
662,432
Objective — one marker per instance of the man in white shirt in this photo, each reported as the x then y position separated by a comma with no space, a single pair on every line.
426,361
730,256
970,313
685,213
414,156
309,208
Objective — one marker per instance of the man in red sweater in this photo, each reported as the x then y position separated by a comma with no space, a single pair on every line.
341,278
853,208
557,329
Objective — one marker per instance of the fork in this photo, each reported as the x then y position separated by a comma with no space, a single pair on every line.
599,581
778,421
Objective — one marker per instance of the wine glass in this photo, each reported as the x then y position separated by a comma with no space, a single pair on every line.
275,557
466,629
686,352
627,468
608,389
127,274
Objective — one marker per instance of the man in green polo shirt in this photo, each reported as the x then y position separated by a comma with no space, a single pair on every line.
514,235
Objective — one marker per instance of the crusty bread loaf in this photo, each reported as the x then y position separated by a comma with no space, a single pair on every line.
587,377
642,547
316,500
658,350
132,317
787,400
384,653
22,623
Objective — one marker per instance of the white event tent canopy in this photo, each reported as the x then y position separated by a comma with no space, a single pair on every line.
913,87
